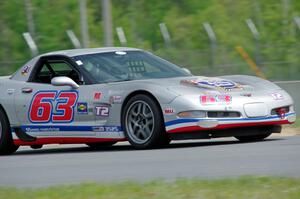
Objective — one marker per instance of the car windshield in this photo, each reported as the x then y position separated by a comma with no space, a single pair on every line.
126,66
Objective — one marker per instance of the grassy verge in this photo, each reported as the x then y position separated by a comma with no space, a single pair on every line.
297,123
244,187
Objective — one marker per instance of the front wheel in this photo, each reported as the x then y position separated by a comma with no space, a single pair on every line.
6,143
143,123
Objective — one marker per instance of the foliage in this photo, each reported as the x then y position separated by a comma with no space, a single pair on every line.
277,47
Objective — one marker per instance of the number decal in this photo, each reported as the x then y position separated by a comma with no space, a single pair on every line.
41,108
65,107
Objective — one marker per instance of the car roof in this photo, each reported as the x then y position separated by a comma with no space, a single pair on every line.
18,75
85,51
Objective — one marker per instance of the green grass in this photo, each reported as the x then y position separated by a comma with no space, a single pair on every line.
244,187
297,123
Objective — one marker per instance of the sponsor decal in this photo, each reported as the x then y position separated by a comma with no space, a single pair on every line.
169,111
101,121
215,99
25,70
63,128
246,94
220,84
277,96
42,129
190,82
99,128
82,107
116,99
97,95
79,63
106,129
212,92
102,110
41,109
120,53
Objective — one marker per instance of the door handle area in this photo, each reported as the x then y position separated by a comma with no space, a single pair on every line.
27,90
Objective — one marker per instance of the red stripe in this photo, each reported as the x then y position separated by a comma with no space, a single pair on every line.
226,126
64,140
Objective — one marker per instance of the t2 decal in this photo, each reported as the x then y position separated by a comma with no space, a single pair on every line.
102,111
42,108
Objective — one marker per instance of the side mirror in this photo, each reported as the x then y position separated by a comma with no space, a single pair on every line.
64,81
187,70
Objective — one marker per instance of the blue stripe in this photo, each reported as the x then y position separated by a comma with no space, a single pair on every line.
67,128
180,121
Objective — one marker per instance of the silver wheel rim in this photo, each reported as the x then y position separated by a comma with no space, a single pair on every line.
139,122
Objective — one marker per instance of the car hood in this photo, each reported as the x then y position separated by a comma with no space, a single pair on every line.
201,84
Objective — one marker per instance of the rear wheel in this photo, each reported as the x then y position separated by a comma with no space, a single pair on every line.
100,145
6,142
143,123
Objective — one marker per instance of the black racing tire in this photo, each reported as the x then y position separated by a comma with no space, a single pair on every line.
143,123
6,142
99,145
253,138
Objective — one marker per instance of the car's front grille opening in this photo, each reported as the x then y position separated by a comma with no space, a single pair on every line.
223,114
286,109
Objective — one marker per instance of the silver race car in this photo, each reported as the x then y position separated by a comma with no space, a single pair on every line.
106,95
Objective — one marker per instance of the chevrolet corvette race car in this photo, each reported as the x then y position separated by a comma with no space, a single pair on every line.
102,96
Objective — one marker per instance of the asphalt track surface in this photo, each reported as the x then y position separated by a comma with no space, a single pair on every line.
218,158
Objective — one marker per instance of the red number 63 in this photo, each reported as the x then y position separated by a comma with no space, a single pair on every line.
42,110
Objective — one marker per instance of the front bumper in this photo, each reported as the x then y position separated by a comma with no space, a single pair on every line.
203,124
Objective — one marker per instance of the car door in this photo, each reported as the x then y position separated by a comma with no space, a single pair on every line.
47,110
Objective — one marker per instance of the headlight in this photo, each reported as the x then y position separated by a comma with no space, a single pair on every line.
192,114
292,109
